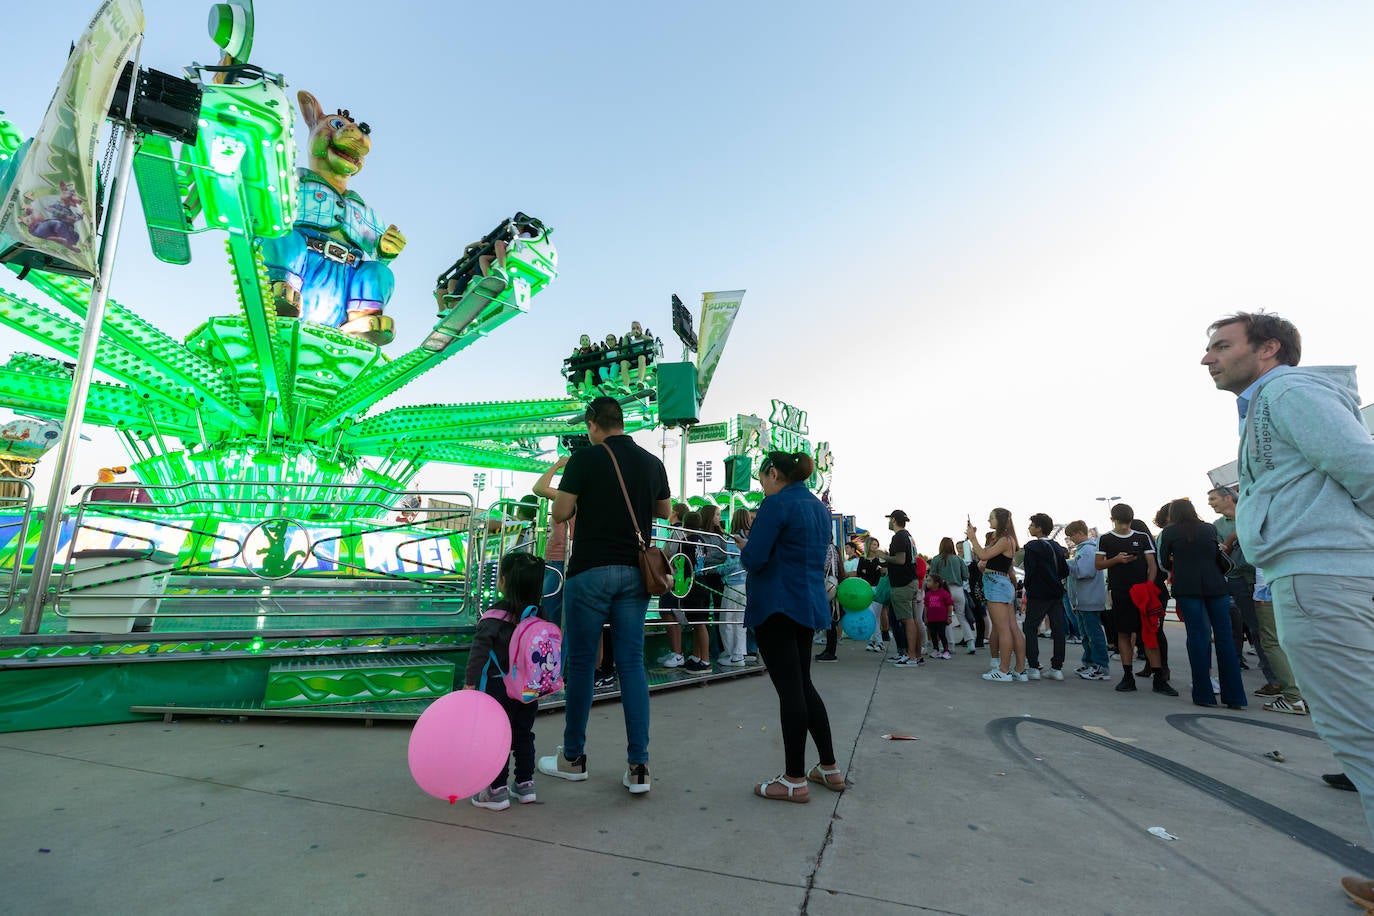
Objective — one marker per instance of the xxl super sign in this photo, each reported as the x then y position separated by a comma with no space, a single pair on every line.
787,429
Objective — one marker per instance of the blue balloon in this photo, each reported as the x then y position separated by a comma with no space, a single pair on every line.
858,624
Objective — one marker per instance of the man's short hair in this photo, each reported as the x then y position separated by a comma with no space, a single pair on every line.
1043,522
605,412
1122,513
1224,493
1076,527
1265,326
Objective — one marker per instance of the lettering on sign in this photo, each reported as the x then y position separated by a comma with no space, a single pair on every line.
788,417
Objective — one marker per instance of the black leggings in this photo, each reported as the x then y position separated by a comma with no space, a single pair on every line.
938,639
521,717
785,647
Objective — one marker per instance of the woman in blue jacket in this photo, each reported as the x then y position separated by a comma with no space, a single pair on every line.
785,604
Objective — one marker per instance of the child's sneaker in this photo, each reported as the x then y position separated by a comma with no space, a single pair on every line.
492,799
523,792
673,660
696,665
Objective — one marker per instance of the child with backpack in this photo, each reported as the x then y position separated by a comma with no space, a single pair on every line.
515,658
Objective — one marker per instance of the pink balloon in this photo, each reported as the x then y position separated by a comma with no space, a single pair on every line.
459,745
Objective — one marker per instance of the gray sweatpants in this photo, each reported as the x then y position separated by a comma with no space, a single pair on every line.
1326,625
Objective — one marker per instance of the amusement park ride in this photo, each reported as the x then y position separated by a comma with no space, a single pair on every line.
262,555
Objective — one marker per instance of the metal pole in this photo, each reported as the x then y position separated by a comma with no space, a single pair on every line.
76,408
682,469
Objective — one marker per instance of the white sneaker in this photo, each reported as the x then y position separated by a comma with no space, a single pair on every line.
971,650
899,659
732,661
636,778
1216,686
1034,674
673,660
819,639
1023,676
997,676
1055,674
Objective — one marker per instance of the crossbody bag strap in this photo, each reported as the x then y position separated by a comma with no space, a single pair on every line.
625,493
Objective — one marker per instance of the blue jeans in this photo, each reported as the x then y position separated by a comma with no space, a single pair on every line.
593,598
1094,640
1203,617
553,592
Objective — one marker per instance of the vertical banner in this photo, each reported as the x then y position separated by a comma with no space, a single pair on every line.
50,203
718,312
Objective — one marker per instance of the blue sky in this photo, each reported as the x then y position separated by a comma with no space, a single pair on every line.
982,241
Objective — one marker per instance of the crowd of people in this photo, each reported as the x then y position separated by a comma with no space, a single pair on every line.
1287,564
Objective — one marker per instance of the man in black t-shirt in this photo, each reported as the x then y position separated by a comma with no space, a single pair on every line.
900,561
604,584
1129,558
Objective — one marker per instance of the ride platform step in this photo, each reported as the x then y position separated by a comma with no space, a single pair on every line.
334,681
410,710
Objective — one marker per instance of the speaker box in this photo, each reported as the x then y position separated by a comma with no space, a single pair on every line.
677,393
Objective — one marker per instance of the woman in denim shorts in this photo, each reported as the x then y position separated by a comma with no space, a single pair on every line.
1000,593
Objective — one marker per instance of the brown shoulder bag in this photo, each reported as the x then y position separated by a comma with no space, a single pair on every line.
653,563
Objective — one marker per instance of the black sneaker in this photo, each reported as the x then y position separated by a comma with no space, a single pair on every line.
1164,688
1339,781
827,657
1127,683
604,681
696,665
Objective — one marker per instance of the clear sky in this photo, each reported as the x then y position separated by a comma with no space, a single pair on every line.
981,241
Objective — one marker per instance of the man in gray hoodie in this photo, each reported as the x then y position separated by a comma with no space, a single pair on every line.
1306,517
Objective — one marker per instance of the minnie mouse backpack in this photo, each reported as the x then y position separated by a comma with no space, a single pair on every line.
535,667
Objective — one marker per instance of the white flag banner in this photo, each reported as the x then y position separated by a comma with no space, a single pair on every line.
50,204
718,312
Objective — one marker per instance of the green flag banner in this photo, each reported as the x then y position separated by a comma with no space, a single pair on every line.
51,201
718,312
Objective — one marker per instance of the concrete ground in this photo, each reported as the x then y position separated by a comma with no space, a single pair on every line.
1025,798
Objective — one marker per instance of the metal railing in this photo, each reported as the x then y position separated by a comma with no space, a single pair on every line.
187,553
16,498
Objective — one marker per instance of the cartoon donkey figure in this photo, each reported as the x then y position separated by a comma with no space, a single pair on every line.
332,267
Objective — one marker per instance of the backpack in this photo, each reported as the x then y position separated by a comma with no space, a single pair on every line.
535,666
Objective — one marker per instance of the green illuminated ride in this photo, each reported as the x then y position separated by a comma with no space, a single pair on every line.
258,398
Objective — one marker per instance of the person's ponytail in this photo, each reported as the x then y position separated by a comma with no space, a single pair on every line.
804,467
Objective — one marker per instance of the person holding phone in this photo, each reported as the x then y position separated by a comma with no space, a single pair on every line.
1128,556
998,591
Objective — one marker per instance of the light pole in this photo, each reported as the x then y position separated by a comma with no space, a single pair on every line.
665,442
703,475
478,482
1108,500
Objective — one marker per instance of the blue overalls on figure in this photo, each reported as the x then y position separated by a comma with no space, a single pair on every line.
334,278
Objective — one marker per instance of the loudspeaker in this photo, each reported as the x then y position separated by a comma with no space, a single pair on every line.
739,476
677,393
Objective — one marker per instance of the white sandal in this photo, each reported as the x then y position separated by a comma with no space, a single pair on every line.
790,787
821,776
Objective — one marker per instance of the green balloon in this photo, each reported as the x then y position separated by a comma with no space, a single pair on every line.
854,594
